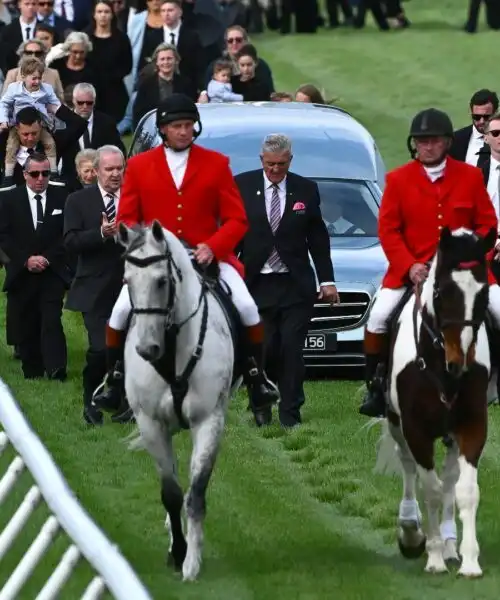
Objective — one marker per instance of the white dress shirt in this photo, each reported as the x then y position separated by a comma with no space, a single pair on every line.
69,9
167,37
476,142
493,183
90,126
24,27
22,155
106,200
31,198
177,163
268,194
434,173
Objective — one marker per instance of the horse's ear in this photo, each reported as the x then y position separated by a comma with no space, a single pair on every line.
124,234
489,240
157,231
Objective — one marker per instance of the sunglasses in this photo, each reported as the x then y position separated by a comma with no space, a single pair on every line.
479,117
494,133
37,53
36,174
85,102
236,40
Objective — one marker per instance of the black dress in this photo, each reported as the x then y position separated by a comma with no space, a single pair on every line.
253,90
153,37
70,77
111,60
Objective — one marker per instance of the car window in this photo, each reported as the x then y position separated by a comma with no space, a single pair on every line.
348,208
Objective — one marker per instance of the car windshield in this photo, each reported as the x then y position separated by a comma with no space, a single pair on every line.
348,207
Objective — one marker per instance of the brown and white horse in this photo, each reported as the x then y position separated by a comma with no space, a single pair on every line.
438,376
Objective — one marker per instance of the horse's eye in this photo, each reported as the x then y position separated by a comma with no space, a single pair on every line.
162,281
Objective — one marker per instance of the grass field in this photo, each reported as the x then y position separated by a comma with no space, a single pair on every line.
290,515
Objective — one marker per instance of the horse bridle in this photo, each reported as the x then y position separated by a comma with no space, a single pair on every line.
436,334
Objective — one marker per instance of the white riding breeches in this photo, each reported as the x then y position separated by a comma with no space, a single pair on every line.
241,297
386,301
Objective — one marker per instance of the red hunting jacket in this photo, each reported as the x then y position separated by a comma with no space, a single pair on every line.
414,210
206,209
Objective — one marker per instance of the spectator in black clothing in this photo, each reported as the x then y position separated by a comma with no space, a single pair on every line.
247,82
110,60
236,37
70,59
19,30
46,15
162,81
46,34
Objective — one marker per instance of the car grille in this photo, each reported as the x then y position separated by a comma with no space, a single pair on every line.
346,315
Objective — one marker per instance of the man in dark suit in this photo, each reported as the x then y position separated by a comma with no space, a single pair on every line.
285,224
47,16
31,227
468,143
29,127
185,39
19,30
89,229
100,131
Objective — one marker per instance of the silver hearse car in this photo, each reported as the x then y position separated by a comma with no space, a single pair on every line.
333,149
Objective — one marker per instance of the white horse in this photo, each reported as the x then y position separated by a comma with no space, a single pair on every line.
438,385
167,294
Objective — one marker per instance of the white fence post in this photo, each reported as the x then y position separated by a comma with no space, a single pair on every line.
115,573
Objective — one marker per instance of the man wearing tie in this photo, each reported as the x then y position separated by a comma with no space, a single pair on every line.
31,227
184,39
468,143
100,131
89,233
491,174
47,16
18,31
284,214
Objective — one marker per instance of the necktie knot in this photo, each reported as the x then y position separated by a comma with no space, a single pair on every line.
38,197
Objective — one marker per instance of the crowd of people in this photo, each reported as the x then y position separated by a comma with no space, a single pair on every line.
76,78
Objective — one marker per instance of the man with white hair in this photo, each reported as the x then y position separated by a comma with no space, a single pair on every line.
89,233
285,226
101,130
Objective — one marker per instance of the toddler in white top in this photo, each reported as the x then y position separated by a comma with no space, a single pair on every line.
220,88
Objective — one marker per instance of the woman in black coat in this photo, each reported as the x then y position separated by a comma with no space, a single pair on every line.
159,80
110,59
247,83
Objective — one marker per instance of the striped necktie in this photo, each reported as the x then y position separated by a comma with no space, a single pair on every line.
110,207
274,220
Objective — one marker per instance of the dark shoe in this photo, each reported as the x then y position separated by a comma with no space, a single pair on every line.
55,180
58,374
374,404
7,184
92,416
33,374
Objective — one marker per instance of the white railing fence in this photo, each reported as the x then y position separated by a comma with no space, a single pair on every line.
113,571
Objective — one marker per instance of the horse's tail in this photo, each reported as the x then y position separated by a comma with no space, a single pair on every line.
387,457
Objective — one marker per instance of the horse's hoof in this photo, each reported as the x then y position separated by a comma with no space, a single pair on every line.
470,571
173,563
176,556
412,552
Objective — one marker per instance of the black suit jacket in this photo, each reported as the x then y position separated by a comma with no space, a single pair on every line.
148,94
20,239
11,39
191,53
63,27
104,132
301,230
99,271
461,139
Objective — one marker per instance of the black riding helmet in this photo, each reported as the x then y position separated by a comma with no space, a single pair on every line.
430,122
178,107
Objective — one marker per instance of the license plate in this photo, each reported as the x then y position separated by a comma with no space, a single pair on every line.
315,342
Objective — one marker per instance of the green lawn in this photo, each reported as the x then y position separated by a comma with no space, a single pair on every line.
297,515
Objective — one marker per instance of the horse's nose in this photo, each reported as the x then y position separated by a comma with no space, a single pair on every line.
454,369
150,352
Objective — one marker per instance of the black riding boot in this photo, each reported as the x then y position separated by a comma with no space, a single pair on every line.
262,391
374,404
109,395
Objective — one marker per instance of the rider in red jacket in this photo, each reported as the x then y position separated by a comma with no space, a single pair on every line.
191,191
420,198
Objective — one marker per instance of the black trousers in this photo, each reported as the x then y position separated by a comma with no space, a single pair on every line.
286,316
35,313
306,15
378,14
333,6
95,365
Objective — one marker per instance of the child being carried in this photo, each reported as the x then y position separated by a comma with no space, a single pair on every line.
30,91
